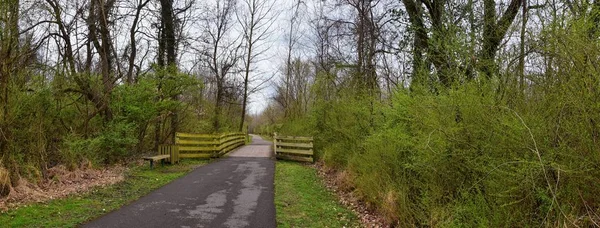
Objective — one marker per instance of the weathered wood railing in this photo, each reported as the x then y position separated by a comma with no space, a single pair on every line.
207,145
230,141
170,150
294,148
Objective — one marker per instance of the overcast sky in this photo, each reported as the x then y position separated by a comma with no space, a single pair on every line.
275,48
274,57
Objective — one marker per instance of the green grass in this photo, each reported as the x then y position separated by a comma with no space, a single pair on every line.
76,209
301,200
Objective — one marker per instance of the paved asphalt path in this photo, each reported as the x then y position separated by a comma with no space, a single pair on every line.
236,191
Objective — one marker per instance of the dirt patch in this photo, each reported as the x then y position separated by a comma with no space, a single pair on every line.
337,182
60,183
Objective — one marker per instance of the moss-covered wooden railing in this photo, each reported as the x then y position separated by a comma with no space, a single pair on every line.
296,148
189,145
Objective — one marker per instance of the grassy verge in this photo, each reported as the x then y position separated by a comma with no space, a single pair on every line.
76,209
301,200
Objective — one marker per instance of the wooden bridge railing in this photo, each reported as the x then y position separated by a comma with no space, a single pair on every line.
296,148
189,145
207,145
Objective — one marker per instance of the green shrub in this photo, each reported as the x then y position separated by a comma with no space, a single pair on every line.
78,150
117,141
460,159
499,150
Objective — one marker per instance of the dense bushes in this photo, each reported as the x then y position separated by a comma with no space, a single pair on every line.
465,159
481,153
55,123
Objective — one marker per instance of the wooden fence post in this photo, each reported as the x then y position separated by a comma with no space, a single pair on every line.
275,143
247,134
217,145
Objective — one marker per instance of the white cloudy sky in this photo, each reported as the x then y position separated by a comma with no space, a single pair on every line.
276,51
275,47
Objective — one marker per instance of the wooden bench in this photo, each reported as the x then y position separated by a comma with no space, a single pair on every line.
162,159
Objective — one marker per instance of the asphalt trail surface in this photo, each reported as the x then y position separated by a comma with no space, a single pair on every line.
236,191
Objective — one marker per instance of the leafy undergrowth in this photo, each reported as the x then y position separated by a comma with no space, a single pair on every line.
301,200
77,209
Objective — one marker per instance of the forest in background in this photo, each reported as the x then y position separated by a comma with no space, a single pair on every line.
436,112
475,113
100,82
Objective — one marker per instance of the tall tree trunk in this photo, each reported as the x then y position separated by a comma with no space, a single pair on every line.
244,102
106,56
250,41
9,44
522,49
494,30
219,81
168,36
288,73
415,16
168,20
99,13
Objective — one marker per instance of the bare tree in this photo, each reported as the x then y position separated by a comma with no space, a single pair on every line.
293,92
293,38
168,37
220,52
256,20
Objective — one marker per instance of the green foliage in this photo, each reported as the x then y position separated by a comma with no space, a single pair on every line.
301,200
61,122
136,103
340,126
483,153
30,124
462,159
77,150
117,141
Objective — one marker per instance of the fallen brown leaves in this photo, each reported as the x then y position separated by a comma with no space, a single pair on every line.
335,181
60,183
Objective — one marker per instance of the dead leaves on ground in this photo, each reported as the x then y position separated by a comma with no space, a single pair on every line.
60,183
335,181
